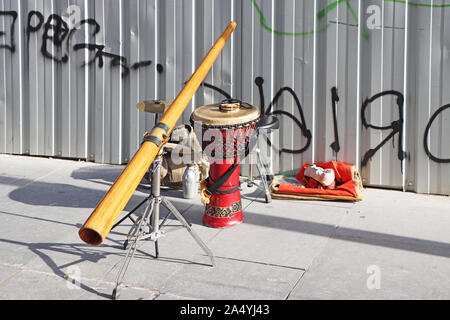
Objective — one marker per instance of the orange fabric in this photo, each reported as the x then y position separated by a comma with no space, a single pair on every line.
343,175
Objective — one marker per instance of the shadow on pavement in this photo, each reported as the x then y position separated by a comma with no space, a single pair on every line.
65,195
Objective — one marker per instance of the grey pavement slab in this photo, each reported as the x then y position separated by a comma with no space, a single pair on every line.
286,249
21,172
394,214
34,285
352,270
233,280
283,233
177,249
403,237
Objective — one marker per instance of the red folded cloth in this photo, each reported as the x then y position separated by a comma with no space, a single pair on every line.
345,186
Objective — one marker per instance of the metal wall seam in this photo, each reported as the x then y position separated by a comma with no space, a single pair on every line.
21,74
121,124
406,102
315,78
358,101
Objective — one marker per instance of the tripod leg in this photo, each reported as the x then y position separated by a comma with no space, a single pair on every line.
250,178
156,249
263,174
134,236
128,216
265,163
137,227
194,235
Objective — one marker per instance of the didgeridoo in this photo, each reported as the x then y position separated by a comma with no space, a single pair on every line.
101,221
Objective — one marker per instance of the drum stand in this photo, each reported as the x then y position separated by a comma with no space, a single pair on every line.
148,227
261,165
266,125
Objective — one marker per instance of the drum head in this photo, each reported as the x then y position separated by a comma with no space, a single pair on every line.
231,114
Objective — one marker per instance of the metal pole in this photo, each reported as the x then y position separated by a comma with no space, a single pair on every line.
156,191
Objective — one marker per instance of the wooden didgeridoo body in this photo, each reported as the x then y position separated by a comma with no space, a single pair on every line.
101,221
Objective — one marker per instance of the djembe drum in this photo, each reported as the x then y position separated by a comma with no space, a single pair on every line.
226,130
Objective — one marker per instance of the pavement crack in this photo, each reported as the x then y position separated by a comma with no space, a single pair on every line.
5,282
260,263
295,286
329,238
176,296
157,295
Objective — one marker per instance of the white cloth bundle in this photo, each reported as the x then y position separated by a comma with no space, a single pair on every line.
325,177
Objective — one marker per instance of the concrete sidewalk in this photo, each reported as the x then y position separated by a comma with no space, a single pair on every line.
393,245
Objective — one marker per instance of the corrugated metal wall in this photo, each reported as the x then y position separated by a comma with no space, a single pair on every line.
72,92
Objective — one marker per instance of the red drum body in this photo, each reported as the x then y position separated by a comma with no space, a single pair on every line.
225,207
226,131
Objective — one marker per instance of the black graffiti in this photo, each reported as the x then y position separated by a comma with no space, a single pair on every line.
88,22
396,126
116,60
56,32
217,89
259,81
427,134
301,123
11,46
141,64
37,26
160,68
336,146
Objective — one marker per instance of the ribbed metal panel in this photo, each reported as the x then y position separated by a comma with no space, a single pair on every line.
72,92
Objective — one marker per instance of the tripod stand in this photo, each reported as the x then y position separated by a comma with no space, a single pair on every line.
148,227
266,125
263,173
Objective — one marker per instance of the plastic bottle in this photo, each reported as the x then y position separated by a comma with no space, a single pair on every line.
191,179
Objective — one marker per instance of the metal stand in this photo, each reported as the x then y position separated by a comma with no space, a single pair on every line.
265,177
148,227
